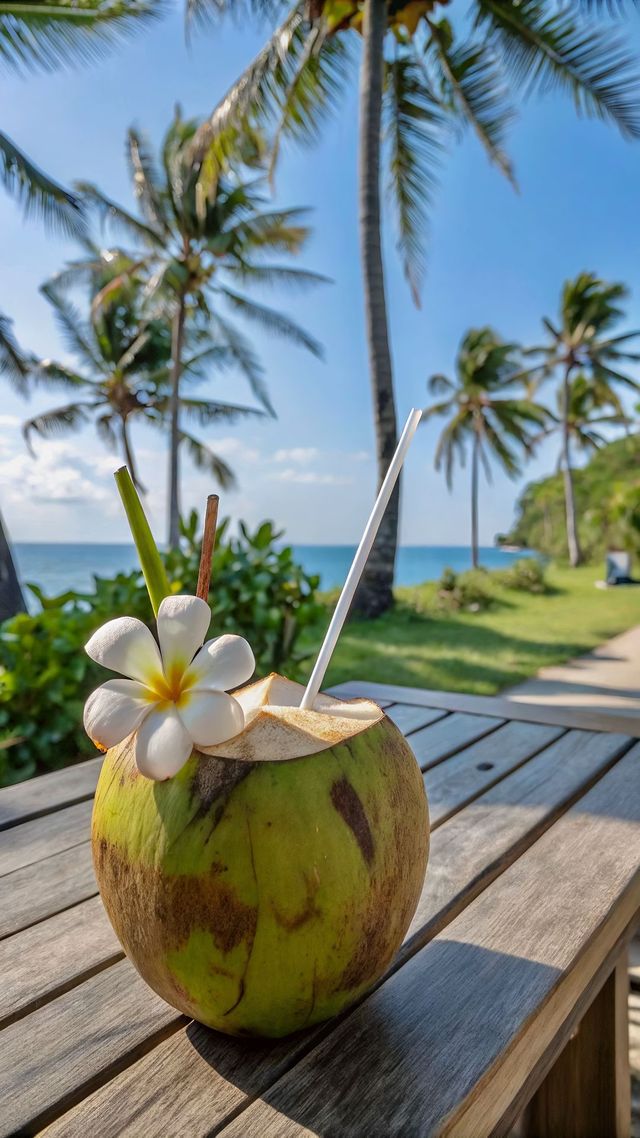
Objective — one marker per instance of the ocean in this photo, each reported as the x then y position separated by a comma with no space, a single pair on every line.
57,567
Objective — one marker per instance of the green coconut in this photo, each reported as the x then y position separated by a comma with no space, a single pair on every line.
268,884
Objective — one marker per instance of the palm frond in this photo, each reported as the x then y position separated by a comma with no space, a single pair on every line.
294,82
39,195
14,365
146,181
110,213
46,36
244,357
273,321
204,459
204,412
412,132
59,421
547,48
47,373
76,333
439,384
106,431
476,91
276,276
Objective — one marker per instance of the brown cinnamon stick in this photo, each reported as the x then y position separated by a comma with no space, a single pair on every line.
208,544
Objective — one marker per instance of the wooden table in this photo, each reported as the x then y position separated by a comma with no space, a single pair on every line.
510,988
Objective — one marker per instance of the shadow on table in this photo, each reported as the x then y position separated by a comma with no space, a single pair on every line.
438,1022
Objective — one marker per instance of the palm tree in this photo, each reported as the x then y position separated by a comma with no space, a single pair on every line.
420,75
204,233
124,372
580,343
483,414
14,367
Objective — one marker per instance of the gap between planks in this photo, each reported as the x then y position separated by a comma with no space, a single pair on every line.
432,915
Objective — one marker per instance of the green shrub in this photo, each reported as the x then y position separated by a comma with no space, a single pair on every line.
470,591
527,575
257,590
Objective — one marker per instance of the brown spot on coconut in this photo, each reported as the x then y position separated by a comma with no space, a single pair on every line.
265,889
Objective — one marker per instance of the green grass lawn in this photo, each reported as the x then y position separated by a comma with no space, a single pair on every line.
483,652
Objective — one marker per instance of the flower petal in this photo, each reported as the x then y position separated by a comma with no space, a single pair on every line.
210,717
223,663
125,645
163,744
114,710
183,623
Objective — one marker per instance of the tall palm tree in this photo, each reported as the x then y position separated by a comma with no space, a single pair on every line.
14,367
124,372
484,414
204,233
580,343
421,74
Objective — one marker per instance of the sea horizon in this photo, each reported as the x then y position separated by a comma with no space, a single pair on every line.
58,566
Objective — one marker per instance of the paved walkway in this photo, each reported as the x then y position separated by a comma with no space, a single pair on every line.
606,680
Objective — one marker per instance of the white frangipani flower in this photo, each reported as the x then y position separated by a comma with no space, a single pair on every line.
173,699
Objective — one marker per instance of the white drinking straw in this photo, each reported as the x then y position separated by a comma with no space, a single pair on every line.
359,561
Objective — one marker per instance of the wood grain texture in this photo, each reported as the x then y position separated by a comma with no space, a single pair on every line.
587,1093
409,718
434,743
471,771
52,955
443,1046
48,792
58,1049
460,865
477,844
625,723
31,841
45,887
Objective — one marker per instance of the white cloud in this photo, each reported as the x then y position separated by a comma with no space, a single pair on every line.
59,473
310,477
9,421
231,447
301,455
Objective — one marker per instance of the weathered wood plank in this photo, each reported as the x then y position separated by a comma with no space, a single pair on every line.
54,954
434,743
32,841
48,792
445,1045
58,1049
623,722
471,771
525,802
587,1093
46,887
409,718
479,842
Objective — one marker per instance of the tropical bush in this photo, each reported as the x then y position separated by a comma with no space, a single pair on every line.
469,591
526,575
257,590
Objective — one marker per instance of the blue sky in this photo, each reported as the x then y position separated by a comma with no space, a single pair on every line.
495,257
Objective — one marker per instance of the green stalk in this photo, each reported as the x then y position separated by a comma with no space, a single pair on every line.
150,561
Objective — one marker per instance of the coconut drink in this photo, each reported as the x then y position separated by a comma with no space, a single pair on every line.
259,848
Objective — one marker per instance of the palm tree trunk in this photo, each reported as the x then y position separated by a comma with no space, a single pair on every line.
128,456
174,406
573,541
11,598
375,594
474,501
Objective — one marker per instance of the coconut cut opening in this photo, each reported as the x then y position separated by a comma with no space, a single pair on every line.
277,729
